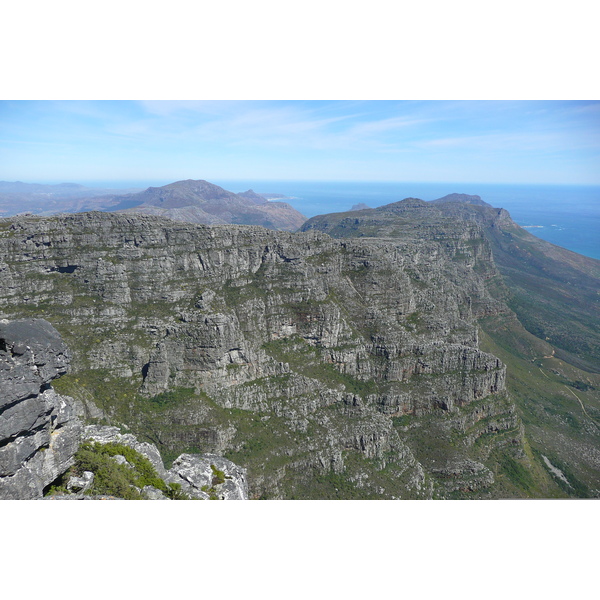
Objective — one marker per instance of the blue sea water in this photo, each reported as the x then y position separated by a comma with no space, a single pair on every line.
566,215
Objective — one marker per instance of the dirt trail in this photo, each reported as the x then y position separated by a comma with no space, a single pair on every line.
582,406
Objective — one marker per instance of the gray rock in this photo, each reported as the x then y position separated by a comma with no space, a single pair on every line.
151,493
39,432
40,356
193,472
199,477
81,484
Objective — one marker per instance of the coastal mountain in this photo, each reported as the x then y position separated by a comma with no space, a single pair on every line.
252,195
553,291
408,351
194,201
360,206
548,335
198,201
461,199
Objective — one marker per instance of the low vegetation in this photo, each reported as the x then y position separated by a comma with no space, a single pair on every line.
124,479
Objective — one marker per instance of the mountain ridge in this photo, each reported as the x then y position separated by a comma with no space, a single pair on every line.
198,201
461,199
195,201
377,354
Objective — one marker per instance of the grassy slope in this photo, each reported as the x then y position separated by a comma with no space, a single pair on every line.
554,292
558,403
552,351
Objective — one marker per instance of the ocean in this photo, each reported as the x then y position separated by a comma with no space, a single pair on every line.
566,215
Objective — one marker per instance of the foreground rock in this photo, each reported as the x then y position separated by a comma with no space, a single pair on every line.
202,477
39,431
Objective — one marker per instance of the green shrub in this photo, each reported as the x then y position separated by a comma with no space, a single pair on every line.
218,476
121,480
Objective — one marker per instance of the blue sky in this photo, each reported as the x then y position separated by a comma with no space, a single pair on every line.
431,141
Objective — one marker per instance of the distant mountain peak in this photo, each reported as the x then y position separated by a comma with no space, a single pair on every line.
252,195
199,201
406,203
360,206
462,199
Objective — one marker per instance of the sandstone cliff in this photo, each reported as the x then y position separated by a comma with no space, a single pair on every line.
326,367
547,334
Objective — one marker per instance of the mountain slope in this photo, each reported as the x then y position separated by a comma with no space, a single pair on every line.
252,195
328,368
550,338
198,201
553,291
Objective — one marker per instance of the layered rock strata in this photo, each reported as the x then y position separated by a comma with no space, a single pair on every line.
291,353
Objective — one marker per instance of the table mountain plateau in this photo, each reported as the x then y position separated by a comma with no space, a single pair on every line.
385,353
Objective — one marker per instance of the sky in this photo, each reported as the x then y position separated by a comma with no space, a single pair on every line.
434,141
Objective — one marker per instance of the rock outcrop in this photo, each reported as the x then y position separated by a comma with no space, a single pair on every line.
201,477
39,431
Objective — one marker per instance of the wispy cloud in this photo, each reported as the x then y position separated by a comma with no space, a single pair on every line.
333,139
236,123
510,142
383,126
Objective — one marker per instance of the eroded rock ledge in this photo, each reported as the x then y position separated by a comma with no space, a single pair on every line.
39,431
201,477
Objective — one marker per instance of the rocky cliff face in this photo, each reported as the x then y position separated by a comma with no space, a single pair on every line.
549,338
327,367
39,431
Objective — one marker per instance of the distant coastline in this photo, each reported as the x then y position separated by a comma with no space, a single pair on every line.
565,215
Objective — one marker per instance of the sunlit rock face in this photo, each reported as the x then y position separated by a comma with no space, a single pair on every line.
293,354
39,431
